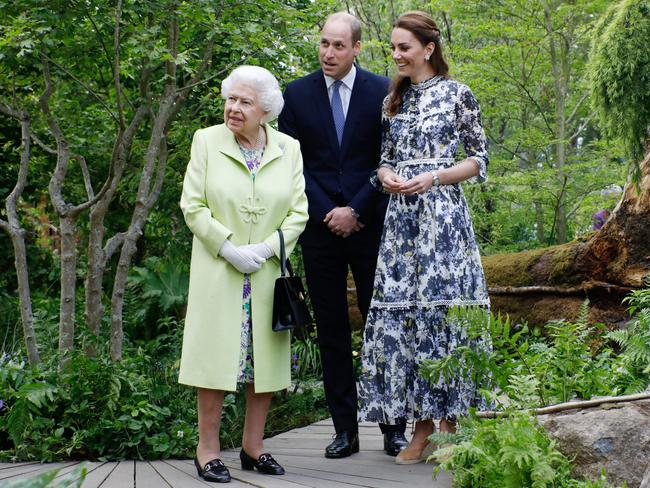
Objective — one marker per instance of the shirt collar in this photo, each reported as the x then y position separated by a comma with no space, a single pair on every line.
348,80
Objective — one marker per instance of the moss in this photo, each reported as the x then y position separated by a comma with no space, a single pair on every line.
562,271
512,269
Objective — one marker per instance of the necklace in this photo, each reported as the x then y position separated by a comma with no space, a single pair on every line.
257,145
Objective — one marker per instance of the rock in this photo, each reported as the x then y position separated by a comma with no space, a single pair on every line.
646,479
616,439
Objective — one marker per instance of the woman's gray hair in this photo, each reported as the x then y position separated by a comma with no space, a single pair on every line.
263,82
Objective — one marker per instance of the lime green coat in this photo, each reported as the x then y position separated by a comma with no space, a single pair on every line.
221,201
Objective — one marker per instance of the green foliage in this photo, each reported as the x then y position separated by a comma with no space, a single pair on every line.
305,356
526,370
156,293
619,72
562,365
632,369
52,479
135,409
511,452
97,409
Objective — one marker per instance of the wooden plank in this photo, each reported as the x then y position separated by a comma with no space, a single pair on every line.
146,476
264,480
189,468
4,466
98,473
123,476
28,470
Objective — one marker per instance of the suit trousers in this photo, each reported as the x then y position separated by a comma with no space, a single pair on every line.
327,259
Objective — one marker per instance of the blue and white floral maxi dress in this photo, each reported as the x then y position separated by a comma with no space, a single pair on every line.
428,261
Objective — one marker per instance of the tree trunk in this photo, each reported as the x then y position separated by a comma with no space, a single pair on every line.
17,233
618,255
560,80
68,285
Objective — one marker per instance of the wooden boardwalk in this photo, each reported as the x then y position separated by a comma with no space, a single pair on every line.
300,451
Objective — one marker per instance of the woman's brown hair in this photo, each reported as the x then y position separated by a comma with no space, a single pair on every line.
425,30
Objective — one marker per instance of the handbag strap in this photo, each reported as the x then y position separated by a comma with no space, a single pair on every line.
285,265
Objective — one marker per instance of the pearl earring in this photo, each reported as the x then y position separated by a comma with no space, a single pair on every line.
426,57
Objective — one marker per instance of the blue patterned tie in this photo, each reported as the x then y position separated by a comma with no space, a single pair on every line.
337,111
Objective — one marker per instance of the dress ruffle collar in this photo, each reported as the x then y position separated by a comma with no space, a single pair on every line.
426,83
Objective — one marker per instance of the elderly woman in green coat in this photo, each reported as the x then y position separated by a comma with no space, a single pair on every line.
243,182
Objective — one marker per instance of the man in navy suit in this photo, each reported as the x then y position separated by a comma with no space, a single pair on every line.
335,113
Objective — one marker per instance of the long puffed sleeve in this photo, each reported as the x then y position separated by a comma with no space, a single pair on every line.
194,205
387,155
297,215
470,130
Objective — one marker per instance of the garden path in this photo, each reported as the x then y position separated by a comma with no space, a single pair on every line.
300,451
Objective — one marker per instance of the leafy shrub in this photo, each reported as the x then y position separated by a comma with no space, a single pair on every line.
573,361
305,356
97,409
632,368
511,452
525,370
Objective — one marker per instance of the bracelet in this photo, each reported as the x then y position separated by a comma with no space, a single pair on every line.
355,214
436,178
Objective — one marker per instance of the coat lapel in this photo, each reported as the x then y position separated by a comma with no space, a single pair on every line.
273,148
228,146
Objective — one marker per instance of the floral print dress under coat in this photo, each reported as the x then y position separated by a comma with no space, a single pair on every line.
252,158
428,261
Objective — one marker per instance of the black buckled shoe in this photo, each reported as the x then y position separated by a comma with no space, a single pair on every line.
394,442
265,464
214,471
345,443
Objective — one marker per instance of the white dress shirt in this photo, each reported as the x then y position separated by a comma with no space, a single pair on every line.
345,90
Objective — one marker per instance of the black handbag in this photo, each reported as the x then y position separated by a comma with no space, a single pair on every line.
289,305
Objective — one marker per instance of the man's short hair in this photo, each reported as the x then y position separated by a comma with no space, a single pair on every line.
351,20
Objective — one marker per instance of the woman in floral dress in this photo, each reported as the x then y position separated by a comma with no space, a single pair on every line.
428,259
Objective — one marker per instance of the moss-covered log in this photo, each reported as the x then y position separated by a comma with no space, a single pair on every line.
602,267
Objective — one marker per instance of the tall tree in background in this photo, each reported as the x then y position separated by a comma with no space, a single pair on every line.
616,258
526,62
102,87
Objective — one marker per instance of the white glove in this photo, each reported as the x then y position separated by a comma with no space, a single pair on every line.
244,260
262,249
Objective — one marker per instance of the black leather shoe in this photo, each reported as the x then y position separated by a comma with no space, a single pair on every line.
214,471
265,464
345,443
394,442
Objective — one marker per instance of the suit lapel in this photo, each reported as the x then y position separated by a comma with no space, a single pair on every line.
324,108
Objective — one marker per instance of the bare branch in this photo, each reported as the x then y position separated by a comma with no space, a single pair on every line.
86,176
558,290
42,145
86,87
577,107
594,402
113,244
116,65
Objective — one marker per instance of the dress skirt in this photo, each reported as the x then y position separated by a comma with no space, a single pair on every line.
428,262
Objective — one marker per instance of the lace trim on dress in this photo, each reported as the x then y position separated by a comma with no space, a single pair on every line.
433,303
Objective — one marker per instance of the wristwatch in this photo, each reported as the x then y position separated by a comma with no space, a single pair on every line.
436,179
355,214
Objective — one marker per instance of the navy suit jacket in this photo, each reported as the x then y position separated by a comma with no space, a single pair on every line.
337,176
